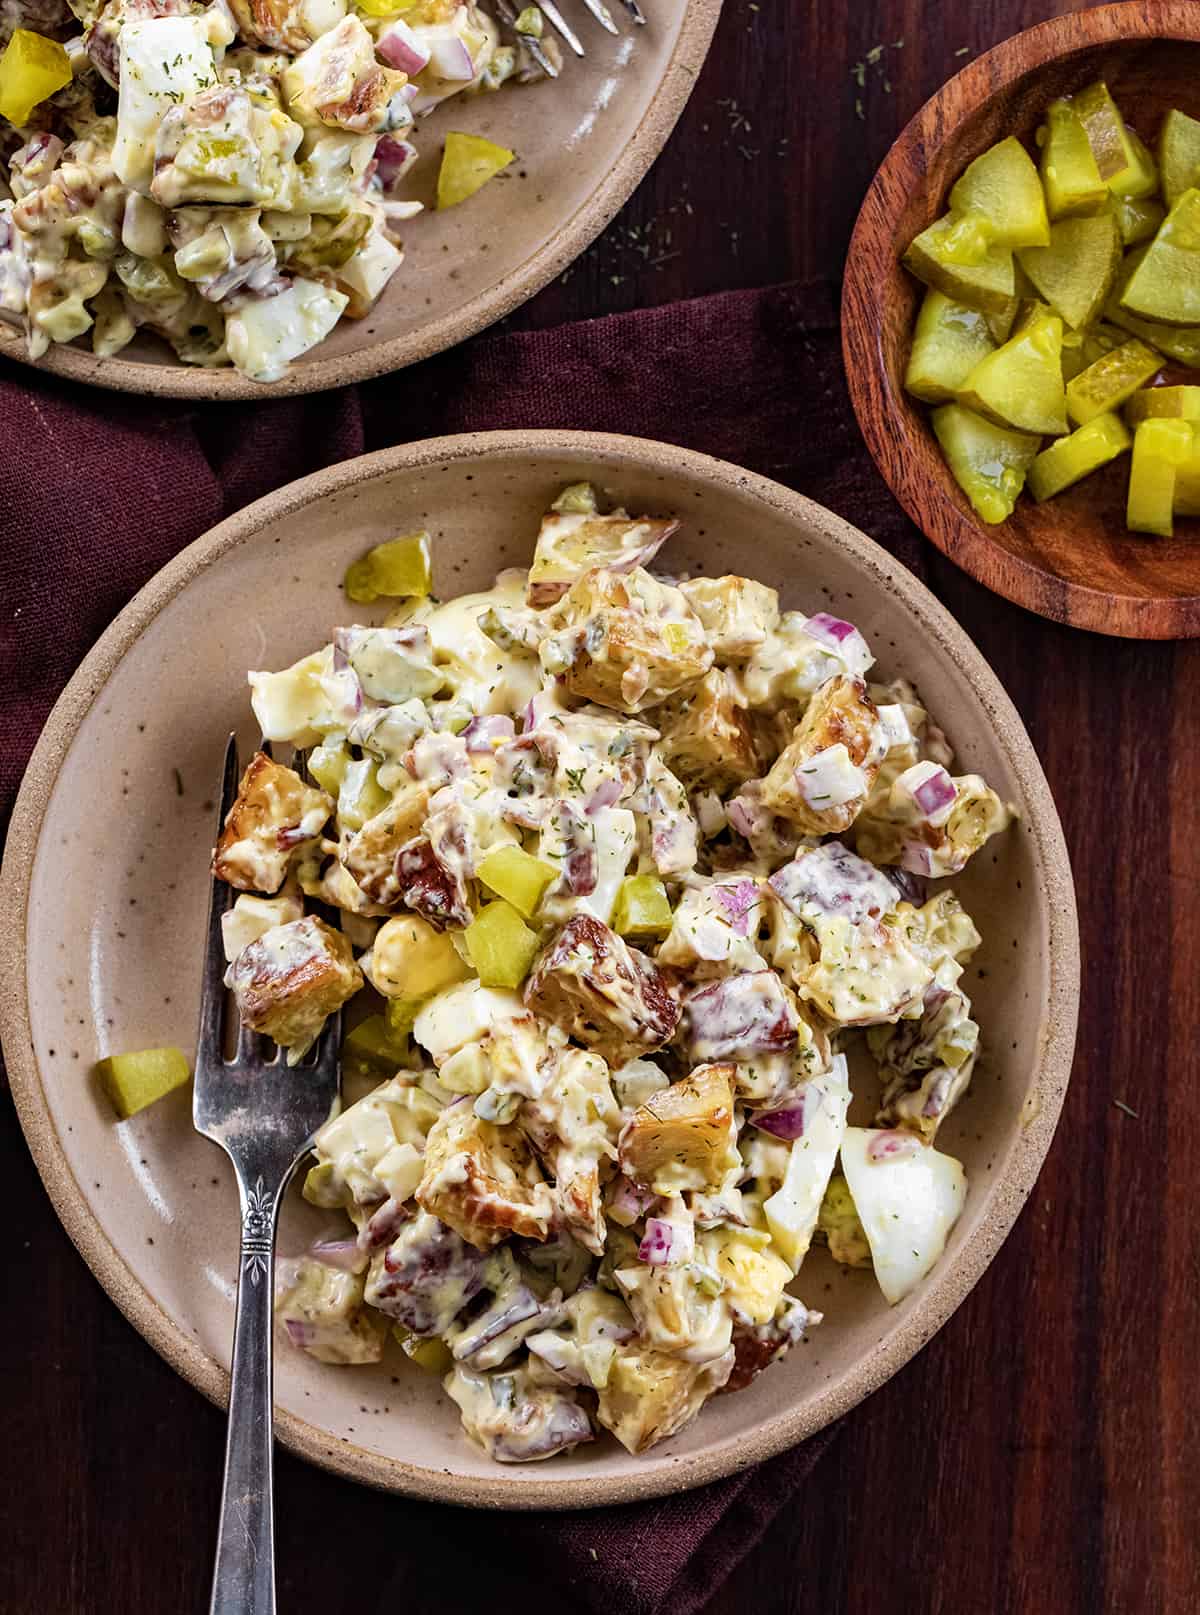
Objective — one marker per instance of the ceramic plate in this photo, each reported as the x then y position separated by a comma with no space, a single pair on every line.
582,145
105,887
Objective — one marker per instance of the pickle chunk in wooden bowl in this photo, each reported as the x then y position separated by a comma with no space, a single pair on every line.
1029,380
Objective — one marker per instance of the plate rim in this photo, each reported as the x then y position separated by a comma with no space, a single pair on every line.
962,538
532,275
1006,1195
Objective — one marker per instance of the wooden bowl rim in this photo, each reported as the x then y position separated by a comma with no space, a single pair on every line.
1006,1193
559,250
965,540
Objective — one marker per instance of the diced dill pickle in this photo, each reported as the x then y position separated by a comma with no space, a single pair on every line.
642,908
133,1081
517,876
401,1014
1020,384
1003,189
943,257
433,1356
1138,217
1178,342
1000,321
321,1186
1152,403
1178,155
988,461
468,162
328,765
32,67
1075,273
578,499
397,569
1165,286
1110,380
501,945
1160,447
1106,133
1141,179
360,795
1069,173
1069,458
949,340
376,1041
1187,483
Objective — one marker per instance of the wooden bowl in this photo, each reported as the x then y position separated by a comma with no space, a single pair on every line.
105,886
1070,559
582,146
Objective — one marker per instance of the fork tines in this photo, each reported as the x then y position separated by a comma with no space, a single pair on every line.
508,14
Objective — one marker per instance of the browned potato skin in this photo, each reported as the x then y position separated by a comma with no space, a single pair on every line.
650,1396
498,1191
270,798
274,24
370,854
285,1004
737,613
840,713
607,536
705,737
603,993
633,640
688,1125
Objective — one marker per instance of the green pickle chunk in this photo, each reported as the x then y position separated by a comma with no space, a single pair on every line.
501,945
1178,155
1071,458
374,1048
988,462
1069,173
948,342
1020,384
517,876
321,1187
642,908
1160,447
1002,189
1110,380
953,256
396,570
1179,403
1138,217
1165,285
1141,179
133,1081
1075,273
1106,134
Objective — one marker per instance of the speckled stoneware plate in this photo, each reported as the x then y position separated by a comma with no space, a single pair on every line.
582,145
105,884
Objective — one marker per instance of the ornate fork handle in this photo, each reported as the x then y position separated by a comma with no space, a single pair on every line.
244,1578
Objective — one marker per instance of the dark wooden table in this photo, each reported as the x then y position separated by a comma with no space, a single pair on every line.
1042,1455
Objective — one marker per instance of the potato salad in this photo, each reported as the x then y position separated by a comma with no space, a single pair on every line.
623,867
231,177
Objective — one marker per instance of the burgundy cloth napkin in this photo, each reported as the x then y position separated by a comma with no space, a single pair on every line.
97,491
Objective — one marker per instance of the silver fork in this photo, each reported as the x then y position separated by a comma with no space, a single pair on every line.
509,13
263,1114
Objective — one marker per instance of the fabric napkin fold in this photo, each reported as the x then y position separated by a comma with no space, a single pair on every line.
100,490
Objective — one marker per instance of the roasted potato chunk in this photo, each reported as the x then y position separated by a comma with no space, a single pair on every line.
274,812
737,614
572,543
288,981
625,641
370,854
651,1396
285,25
757,1345
931,823
338,82
573,1125
323,1314
684,1136
742,1016
821,781
515,1419
705,737
425,1277
602,992
482,1180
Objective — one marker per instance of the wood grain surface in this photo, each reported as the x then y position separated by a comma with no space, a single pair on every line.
1070,559
1040,1456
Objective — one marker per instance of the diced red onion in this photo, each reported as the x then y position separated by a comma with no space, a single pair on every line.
665,1243
789,1121
628,1199
341,1253
450,59
892,1146
400,48
393,159
300,1333
603,796
935,793
481,734
738,814
917,858
737,901
384,1225
829,630
291,837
